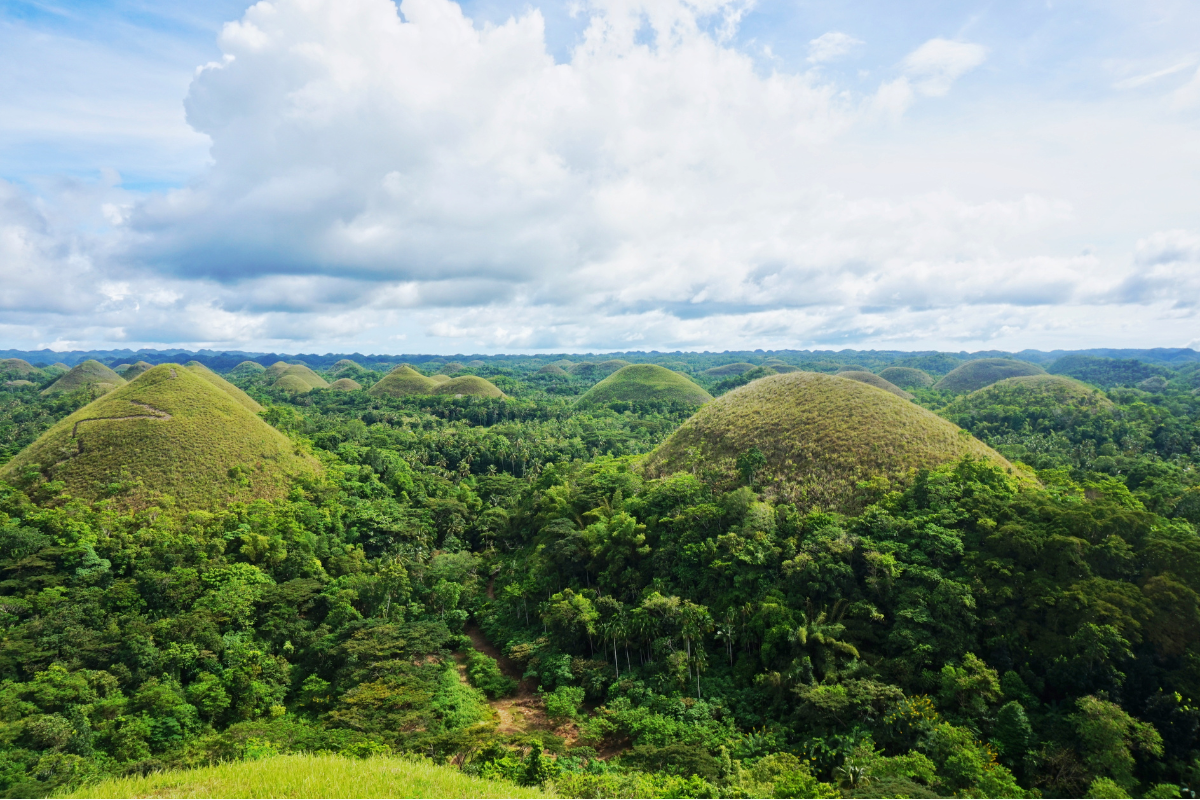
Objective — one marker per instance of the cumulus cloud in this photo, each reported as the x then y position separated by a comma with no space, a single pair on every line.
382,171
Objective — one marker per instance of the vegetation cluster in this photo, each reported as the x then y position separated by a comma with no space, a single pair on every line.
810,587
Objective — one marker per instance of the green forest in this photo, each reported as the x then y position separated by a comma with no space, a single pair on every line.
696,575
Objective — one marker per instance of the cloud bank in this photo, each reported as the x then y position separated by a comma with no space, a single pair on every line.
404,178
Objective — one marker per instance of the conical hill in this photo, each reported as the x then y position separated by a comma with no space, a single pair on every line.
644,383
247,369
820,436
170,432
1033,391
401,382
345,385
983,372
90,374
18,369
302,374
907,377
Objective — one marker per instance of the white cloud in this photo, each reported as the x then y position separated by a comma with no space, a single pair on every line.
380,173
831,46
936,65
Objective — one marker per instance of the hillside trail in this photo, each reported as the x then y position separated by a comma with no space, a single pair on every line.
524,711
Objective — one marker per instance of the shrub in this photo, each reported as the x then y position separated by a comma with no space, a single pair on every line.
484,674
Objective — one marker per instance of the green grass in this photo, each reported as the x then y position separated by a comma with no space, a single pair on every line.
170,432
403,381
726,370
345,385
439,378
644,383
871,379
89,374
820,435
1031,391
244,400
907,377
553,369
467,385
983,372
304,775
292,383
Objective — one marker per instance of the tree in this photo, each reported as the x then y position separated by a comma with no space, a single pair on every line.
1108,738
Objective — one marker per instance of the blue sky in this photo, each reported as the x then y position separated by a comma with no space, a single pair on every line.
498,176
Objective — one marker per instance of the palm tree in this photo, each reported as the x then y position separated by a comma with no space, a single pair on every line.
819,636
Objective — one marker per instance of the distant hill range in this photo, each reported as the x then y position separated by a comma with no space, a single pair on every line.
225,360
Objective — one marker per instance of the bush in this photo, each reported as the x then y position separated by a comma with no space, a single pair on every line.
484,674
563,703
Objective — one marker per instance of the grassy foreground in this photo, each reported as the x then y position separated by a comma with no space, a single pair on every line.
301,775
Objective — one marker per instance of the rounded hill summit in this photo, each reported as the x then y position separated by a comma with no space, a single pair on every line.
819,436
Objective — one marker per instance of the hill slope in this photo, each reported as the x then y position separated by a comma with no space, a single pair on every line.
310,776
135,369
871,379
169,432
345,385
244,400
402,381
725,370
820,436
644,383
983,372
18,369
89,374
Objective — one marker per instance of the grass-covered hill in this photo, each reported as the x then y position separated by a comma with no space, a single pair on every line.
274,371
983,372
403,381
555,370
170,432
1036,390
17,369
345,385
871,379
244,400
813,438
907,377
303,775
292,383
644,383
466,386
439,377
88,375
343,365
303,374
247,369
727,370
450,367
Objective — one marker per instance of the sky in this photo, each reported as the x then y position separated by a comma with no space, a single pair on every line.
494,176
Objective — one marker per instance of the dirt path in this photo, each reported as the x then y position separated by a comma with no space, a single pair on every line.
154,414
524,711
